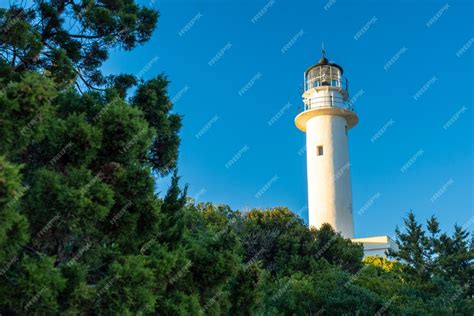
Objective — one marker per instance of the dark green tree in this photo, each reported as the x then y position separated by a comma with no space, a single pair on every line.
436,266
414,248
89,216
284,244
14,226
70,40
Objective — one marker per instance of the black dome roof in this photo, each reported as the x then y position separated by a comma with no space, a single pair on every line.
324,61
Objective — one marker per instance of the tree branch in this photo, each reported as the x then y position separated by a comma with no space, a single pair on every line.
85,36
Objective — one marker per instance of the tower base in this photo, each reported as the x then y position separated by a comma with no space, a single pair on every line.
376,245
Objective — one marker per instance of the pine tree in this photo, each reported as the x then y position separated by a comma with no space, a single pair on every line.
69,40
413,248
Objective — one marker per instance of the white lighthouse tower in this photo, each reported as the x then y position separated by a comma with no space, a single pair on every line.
327,118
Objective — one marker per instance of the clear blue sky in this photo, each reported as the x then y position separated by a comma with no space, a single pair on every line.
422,39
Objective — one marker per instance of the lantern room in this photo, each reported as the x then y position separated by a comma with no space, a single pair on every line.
324,85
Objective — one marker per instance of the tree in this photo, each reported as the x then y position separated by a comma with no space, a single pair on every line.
152,99
437,267
307,270
454,258
284,244
88,211
25,105
29,282
14,226
71,39
414,249
327,290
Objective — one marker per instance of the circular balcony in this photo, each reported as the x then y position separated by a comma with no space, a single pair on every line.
326,101
325,105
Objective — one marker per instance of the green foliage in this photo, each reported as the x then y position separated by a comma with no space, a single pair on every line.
13,225
77,295
84,201
156,105
246,290
40,36
284,244
381,263
83,231
24,106
437,266
71,204
321,292
127,288
413,249
126,136
33,287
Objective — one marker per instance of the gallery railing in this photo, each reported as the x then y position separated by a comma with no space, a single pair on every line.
326,101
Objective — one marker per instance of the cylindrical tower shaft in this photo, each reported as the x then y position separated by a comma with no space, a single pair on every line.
329,182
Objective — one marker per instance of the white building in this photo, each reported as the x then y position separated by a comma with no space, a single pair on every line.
327,118
377,245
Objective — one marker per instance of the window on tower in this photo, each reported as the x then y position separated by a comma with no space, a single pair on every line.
320,150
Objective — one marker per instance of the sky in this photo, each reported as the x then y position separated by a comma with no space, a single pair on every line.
236,71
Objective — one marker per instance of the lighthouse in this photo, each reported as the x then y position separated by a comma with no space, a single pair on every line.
327,118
